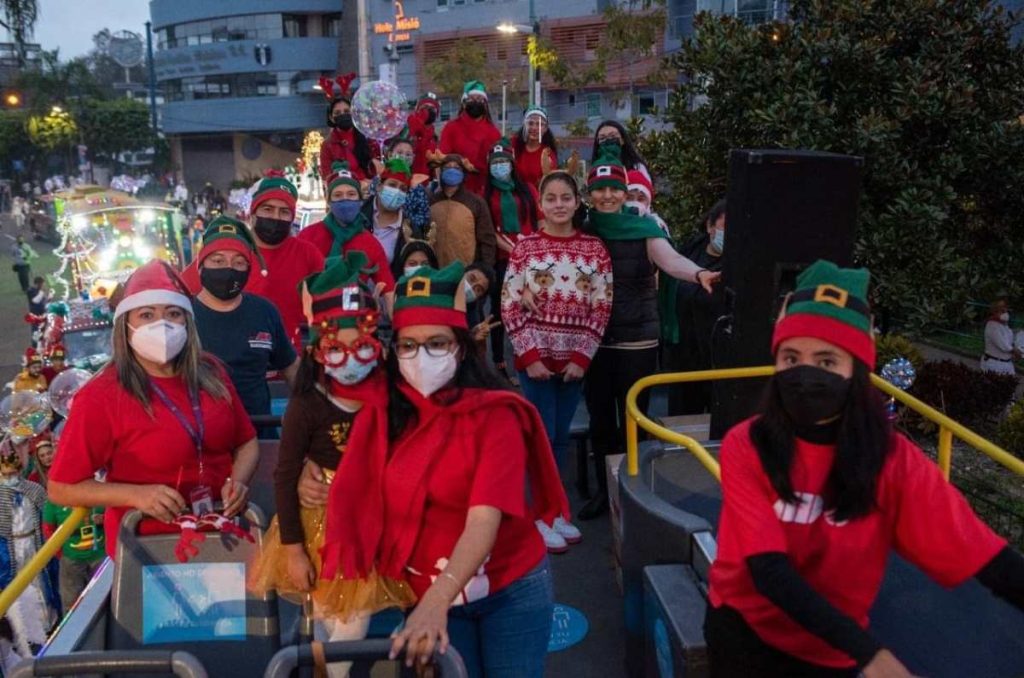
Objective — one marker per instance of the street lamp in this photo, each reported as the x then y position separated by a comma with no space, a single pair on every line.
533,29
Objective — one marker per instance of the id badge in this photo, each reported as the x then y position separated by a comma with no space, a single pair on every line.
202,500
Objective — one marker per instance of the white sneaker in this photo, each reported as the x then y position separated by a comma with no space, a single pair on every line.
570,533
555,542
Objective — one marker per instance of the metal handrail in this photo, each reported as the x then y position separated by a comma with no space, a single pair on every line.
43,556
948,428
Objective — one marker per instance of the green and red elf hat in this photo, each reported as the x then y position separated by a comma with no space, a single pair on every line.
274,185
431,297
476,87
341,175
502,150
608,170
831,304
338,298
225,233
397,168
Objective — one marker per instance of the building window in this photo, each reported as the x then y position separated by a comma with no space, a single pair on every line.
294,25
442,5
332,25
449,109
646,104
593,105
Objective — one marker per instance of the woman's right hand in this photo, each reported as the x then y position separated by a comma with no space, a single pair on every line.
159,501
312,488
536,370
885,665
300,569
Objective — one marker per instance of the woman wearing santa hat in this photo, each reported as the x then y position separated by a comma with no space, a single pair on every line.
450,503
161,417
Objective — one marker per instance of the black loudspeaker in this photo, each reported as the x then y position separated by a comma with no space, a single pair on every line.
787,209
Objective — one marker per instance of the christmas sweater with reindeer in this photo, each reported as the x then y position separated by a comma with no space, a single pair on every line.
571,282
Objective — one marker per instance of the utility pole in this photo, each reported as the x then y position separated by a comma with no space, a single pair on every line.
152,75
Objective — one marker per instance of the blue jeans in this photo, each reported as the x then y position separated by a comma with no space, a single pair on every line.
556,400
505,635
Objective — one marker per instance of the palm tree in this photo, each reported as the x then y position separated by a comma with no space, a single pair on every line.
19,18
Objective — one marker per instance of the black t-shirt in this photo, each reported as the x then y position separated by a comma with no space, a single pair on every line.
36,307
251,341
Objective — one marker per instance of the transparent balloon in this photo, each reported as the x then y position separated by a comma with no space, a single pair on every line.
24,414
379,110
64,387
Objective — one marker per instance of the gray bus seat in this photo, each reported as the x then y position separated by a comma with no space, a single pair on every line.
159,603
674,607
178,663
364,654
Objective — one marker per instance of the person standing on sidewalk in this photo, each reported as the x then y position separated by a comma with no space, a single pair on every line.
22,255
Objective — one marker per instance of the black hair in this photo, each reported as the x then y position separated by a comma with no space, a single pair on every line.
546,139
394,141
309,375
580,216
39,280
863,443
411,247
473,372
364,156
487,270
716,212
630,157
522,192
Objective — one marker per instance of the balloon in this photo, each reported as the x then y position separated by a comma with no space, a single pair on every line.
64,387
24,414
379,110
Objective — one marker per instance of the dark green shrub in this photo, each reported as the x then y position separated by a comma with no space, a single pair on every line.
889,346
967,395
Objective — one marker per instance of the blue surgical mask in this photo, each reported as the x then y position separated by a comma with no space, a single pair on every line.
452,176
470,292
352,372
718,241
502,171
392,198
346,211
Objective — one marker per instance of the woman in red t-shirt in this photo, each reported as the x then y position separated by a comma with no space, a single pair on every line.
448,505
816,492
162,418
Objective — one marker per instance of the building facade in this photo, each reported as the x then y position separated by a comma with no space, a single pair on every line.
238,81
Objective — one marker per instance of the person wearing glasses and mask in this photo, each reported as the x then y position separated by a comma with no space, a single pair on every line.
450,502
288,259
162,418
244,330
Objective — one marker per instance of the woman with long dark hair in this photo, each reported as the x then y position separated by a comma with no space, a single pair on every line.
345,143
451,502
514,213
536,151
611,135
817,490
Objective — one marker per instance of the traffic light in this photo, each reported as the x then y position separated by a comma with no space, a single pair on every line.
13,99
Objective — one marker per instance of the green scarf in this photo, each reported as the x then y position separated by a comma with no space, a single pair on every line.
622,226
342,233
509,209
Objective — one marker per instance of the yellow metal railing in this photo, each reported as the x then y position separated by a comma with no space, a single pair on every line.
948,429
40,559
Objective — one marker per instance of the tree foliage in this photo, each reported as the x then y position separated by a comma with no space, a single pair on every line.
52,131
111,127
927,91
467,60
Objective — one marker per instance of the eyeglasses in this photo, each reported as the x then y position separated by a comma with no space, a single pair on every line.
435,347
335,354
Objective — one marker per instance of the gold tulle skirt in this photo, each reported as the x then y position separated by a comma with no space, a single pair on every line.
337,598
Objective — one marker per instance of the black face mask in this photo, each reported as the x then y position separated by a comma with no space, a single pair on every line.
343,121
475,109
272,231
431,116
811,395
223,283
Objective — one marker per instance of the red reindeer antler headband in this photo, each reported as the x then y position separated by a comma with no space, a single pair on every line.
344,85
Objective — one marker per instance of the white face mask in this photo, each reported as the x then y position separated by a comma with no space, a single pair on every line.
160,341
409,270
1005,317
641,209
428,374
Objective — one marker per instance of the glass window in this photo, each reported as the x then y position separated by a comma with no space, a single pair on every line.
332,25
593,105
449,109
646,104
442,4
294,25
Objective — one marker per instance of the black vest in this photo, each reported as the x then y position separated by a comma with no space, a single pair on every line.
634,293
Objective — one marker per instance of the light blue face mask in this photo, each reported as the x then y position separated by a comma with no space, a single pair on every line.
470,292
392,198
718,241
352,372
502,171
452,176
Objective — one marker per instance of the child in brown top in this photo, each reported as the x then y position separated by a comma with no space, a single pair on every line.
338,378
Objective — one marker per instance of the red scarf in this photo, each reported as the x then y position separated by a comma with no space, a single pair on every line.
365,454
355,541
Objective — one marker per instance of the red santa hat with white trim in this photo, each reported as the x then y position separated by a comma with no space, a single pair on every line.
153,283
638,181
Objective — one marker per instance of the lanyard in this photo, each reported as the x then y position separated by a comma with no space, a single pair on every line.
196,434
